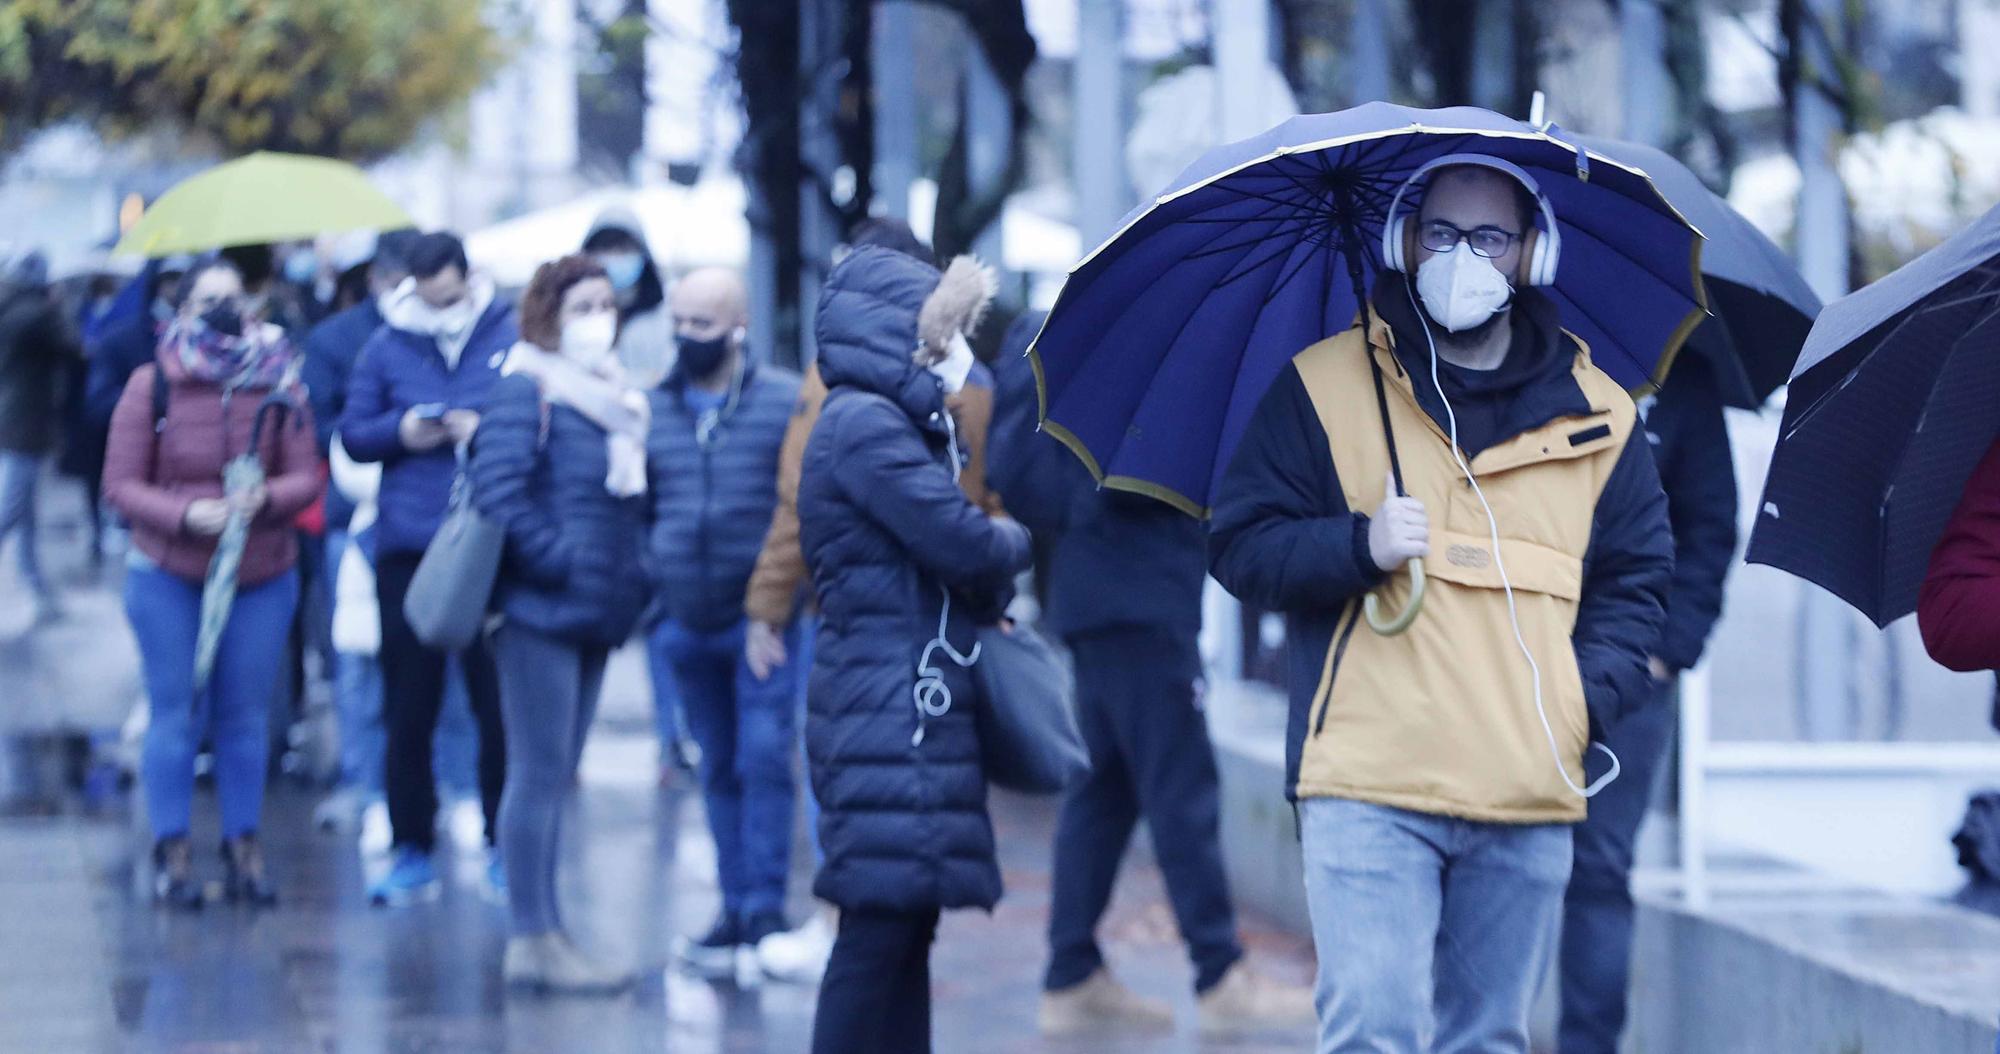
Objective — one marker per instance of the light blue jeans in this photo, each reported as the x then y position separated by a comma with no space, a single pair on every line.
1433,933
165,611
19,473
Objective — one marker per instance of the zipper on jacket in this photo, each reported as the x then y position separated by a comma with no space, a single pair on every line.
1333,671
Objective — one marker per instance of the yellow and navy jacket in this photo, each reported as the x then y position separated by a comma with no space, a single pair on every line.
1442,719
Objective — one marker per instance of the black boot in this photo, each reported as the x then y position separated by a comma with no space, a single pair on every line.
244,880
173,875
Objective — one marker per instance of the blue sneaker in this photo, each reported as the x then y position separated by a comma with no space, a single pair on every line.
410,879
495,887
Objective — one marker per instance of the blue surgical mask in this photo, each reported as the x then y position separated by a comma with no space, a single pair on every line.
301,267
624,269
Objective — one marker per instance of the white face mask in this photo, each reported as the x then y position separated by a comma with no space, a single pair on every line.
956,364
1462,289
587,339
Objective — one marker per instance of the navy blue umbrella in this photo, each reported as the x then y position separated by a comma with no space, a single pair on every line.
1761,307
1895,399
1164,339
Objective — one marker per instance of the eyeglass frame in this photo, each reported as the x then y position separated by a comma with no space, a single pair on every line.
1460,234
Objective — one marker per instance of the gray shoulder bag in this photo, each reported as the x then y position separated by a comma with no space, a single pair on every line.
448,596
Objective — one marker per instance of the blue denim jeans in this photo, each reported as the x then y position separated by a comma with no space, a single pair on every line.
668,723
1596,956
746,729
165,611
19,473
1433,933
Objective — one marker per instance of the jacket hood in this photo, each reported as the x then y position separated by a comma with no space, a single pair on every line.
651,290
867,328
620,218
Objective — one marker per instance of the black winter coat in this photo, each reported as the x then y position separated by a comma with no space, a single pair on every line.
886,531
1116,560
575,561
330,350
36,349
1691,446
714,489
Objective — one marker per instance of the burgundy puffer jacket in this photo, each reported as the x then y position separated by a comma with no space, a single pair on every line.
152,479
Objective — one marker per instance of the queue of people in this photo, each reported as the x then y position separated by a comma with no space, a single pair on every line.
785,547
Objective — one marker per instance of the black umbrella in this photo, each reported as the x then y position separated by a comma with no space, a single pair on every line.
1895,399
1760,307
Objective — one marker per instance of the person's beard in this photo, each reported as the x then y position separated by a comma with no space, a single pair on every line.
1469,339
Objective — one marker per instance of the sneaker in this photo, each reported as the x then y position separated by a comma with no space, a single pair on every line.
464,822
494,888
410,879
799,956
713,955
551,962
1101,1002
245,881
1245,1001
376,834
341,811
173,875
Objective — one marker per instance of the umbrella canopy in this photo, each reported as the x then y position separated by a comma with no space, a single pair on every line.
265,197
1761,307
1165,338
1895,399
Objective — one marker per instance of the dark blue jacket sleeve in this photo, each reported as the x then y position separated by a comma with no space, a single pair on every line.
1699,476
325,376
369,421
119,354
889,474
1626,572
505,454
1282,537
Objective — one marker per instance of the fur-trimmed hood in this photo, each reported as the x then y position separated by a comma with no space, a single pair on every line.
884,316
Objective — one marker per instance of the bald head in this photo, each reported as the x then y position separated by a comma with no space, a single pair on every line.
709,303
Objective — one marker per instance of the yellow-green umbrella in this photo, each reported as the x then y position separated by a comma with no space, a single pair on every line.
265,197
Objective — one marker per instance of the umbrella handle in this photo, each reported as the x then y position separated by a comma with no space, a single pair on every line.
1372,605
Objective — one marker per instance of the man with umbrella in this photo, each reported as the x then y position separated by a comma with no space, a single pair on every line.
1440,763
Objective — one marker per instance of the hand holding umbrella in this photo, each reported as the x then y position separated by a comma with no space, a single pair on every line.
1399,534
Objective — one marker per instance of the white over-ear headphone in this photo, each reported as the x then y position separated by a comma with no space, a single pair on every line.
1541,249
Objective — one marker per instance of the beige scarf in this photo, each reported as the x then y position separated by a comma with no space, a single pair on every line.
601,394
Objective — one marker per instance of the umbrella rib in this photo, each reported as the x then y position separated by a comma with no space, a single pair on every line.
1284,251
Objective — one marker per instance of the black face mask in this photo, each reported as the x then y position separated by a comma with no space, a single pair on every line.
224,319
699,358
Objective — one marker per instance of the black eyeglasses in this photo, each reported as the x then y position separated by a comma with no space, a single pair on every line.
1489,242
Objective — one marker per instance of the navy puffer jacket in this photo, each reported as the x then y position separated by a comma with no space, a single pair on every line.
885,531
575,560
715,486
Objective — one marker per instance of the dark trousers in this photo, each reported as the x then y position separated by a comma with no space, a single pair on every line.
1140,713
412,696
1596,955
876,996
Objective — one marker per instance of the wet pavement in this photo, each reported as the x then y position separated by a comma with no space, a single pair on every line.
89,965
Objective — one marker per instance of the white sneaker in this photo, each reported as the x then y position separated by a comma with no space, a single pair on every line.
799,956
466,822
376,834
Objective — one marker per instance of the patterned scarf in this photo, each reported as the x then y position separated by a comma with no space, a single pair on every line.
259,358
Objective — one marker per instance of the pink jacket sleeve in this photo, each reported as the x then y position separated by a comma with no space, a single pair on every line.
296,479
1958,609
128,462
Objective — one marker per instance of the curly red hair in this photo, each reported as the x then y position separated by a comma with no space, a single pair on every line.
541,303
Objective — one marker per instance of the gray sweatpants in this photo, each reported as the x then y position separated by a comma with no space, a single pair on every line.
548,694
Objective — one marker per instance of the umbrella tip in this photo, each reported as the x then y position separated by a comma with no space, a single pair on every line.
1538,110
